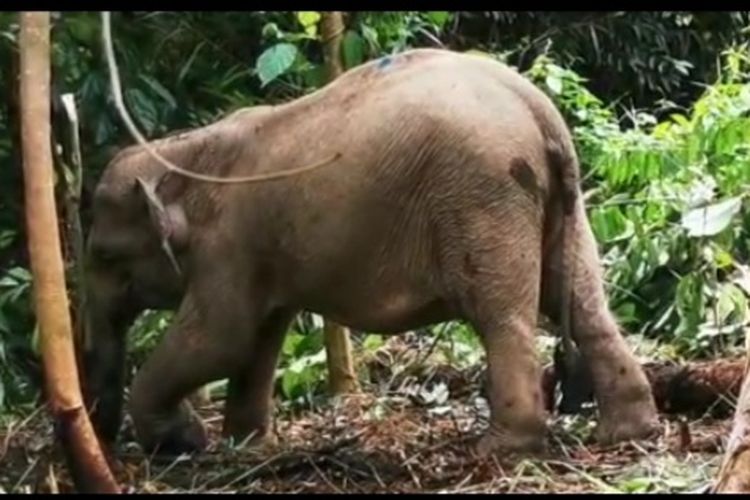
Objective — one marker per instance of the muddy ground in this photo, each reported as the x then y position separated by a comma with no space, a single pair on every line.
411,431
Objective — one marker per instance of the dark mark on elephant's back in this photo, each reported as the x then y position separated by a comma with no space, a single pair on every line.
384,62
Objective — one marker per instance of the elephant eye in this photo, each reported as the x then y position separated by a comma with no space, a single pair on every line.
105,255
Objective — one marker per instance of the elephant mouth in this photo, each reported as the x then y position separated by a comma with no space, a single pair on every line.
144,297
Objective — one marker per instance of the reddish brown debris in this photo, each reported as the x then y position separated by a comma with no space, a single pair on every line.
694,388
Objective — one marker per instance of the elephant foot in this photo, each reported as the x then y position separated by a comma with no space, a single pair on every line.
502,443
185,434
255,443
248,430
634,424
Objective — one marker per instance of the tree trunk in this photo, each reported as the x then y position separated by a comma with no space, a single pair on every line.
734,474
71,170
341,376
73,427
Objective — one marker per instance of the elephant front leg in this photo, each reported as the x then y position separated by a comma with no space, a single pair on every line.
249,403
195,351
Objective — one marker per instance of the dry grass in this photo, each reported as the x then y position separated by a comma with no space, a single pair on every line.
411,433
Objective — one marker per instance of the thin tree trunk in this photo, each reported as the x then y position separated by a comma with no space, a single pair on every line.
734,474
71,168
86,461
341,376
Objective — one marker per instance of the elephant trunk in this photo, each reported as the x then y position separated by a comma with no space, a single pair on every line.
107,320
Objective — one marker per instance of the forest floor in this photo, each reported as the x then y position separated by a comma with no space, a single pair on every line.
412,432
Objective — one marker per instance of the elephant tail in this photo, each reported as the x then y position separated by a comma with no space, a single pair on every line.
563,163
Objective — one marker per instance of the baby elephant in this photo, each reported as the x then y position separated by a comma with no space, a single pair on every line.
454,194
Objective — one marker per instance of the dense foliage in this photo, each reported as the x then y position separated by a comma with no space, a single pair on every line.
666,185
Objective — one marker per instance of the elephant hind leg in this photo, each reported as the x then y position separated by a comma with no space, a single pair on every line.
626,406
249,401
500,298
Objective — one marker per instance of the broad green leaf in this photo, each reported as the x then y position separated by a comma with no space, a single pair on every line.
729,297
711,220
353,47
143,109
316,76
290,383
275,61
291,342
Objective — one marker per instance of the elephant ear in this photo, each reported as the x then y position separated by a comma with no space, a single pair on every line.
169,221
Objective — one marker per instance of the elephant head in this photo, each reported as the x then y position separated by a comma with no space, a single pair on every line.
133,251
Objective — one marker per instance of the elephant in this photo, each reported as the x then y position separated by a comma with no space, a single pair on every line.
455,196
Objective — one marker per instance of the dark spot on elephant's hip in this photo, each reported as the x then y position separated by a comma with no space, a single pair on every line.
523,174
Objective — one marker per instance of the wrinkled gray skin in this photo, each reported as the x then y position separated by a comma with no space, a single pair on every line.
456,185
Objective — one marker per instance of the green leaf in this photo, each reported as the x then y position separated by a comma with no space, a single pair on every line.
371,35
309,20
353,48
554,83
637,485
722,258
372,343
713,219
189,63
270,30
4,326
725,305
142,108
159,89
290,383
291,342
275,61
438,17
316,76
